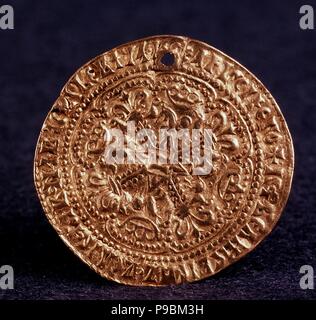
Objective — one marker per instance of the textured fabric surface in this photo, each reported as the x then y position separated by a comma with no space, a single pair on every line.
52,39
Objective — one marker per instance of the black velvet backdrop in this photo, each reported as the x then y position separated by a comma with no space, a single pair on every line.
52,39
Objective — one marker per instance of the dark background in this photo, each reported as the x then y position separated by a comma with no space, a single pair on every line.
52,39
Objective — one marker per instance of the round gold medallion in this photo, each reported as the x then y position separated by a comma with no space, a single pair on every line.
160,224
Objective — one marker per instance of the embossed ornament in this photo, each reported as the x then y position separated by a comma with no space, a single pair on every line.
160,224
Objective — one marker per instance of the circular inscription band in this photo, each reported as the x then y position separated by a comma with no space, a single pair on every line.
160,224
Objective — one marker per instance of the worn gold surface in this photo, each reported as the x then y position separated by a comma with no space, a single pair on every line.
158,226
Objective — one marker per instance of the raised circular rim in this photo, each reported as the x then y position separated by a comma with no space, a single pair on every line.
285,191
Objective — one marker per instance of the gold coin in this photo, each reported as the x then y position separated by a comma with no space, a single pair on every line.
152,224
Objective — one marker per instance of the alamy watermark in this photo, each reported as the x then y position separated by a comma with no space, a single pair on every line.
167,146
306,21
307,278
6,17
6,277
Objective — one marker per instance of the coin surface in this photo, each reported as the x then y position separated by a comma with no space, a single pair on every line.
153,225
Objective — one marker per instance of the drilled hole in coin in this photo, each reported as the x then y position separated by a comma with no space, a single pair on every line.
167,59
